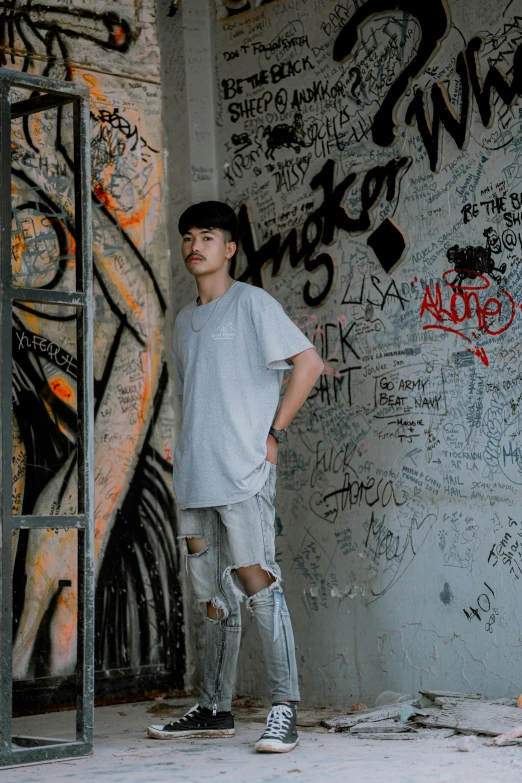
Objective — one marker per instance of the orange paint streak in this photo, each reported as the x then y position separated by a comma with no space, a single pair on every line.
67,631
102,195
72,244
136,309
129,219
133,221
118,34
63,389
18,246
30,320
145,403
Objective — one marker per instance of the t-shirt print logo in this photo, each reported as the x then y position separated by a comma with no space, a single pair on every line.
224,332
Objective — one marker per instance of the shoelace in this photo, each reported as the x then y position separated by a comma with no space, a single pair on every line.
192,710
278,721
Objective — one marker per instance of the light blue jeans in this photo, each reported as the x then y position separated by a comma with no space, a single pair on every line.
237,536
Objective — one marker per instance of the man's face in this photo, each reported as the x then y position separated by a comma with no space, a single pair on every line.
206,250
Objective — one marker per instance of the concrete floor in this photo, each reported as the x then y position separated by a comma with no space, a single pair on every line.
123,752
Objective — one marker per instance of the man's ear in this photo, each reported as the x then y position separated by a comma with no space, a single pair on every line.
230,249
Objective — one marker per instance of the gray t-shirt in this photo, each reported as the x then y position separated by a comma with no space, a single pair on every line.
229,377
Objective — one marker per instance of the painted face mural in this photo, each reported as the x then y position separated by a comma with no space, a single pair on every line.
137,596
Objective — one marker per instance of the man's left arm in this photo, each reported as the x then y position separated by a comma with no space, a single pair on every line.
308,366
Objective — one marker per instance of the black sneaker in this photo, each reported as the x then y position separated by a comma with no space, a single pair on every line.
280,735
197,722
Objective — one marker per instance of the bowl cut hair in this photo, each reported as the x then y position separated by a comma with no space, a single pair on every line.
210,215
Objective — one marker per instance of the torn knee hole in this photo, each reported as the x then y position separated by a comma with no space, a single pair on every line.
193,549
197,554
216,608
257,577
213,613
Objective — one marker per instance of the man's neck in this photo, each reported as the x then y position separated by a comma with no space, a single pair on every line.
212,288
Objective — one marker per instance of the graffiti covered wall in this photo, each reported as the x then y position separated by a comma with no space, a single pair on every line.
112,48
373,152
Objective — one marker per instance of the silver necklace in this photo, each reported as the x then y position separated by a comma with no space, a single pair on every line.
213,311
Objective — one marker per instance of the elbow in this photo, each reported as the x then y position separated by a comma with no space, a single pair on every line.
310,363
318,364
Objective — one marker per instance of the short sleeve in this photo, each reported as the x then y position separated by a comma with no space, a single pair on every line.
278,337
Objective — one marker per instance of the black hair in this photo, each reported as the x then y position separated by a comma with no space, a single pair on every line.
211,215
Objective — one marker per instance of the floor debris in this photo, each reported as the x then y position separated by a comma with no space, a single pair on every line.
415,734
511,735
473,717
372,715
379,726
124,752
450,712
449,695
465,744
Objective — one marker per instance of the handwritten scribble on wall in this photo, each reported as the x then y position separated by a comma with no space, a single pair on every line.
353,134
138,611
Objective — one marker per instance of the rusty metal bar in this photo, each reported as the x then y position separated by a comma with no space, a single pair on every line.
25,750
6,428
49,523
45,296
37,103
85,443
44,84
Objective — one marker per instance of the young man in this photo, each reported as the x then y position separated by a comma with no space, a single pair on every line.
231,346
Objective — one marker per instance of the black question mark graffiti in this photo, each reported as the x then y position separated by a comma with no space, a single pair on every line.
434,20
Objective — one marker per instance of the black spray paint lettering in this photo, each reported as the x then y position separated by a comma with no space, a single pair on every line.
275,74
355,492
332,383
381,541
329,459
57,24
483,603
444,115
288,174
509,550
329,348
392,292
275,46
257,107
496,206
320,227
28,341
434,20
319,92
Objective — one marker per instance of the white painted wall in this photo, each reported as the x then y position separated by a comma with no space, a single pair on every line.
399,523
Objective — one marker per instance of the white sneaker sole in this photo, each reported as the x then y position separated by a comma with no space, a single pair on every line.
157,733
269,746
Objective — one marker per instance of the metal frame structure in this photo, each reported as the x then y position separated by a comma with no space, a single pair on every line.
45,94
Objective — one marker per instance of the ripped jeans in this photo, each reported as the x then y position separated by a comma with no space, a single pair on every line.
236,536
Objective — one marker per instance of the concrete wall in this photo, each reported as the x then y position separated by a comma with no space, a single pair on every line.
111,47
372,148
